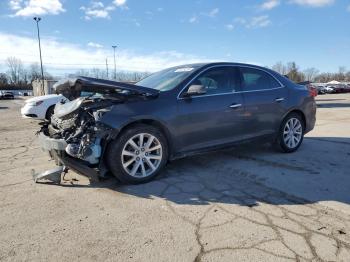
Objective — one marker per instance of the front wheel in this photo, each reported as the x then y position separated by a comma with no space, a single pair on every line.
291,133
138,155
50,111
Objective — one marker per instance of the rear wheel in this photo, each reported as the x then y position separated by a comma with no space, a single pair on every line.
138,155
291,133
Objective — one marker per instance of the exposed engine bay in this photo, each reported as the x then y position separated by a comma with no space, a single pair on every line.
76,123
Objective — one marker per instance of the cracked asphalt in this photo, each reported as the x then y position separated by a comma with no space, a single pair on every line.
248,203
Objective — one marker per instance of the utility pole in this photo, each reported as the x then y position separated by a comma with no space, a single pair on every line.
115,67
37,20
107,67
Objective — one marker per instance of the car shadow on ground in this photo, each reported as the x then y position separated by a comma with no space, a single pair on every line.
329,99
251,174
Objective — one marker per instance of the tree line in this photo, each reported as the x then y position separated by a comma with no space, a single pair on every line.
20,77
17,76
310,74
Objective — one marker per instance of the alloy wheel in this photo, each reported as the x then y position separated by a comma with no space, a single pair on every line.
292,133
142,155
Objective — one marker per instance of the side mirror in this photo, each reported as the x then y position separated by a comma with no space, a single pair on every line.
195,90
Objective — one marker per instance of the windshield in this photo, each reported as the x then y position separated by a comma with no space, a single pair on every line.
167,79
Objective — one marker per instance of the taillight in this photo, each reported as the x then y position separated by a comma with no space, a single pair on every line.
312,90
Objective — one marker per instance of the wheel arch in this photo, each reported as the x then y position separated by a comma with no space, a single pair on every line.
48,110
297,111
151,122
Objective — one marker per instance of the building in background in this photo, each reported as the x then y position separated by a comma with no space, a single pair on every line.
48,87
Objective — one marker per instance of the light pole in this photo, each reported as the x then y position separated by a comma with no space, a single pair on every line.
115,67
37,20
107,66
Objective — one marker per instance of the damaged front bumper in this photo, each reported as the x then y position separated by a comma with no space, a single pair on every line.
48,144
56,149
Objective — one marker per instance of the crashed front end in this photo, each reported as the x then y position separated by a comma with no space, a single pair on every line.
75,137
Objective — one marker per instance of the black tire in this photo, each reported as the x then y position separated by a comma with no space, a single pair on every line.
49,112
114,151
280,142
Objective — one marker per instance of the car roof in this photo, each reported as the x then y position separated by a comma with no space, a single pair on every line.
210,64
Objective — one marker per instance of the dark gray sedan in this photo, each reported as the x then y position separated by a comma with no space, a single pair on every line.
133,130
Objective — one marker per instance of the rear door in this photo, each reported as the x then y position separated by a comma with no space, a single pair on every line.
265,100
215,117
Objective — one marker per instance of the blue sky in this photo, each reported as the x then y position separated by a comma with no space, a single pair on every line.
155,34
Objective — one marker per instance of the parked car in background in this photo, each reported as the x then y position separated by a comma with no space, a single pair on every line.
320,90
339,89
328,90
41,107
133,130
6,95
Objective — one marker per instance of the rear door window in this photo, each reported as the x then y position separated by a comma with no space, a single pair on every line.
255,80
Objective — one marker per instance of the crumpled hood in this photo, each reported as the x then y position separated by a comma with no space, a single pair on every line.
72,87
41,98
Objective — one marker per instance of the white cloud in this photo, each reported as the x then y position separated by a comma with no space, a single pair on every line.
97,9
15,4
119,2
254,22
61,57
213,12
348,8
193,19
270,4
230,27
259,21
240,20
95,45
102,13
313,3
36,7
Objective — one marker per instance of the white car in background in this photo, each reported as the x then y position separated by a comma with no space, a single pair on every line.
41,107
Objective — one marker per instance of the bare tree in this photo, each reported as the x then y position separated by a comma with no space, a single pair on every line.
280,68
310,73
340,76
15,69
3,79
293,72
347,76
324,77
34,72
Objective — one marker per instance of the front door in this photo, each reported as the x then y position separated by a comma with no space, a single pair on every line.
215,117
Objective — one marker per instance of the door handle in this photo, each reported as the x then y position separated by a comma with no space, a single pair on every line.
279,99
235,105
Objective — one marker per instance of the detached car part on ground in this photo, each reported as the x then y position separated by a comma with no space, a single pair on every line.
132,131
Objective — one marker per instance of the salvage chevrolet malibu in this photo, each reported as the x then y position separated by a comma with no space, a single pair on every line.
132,131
